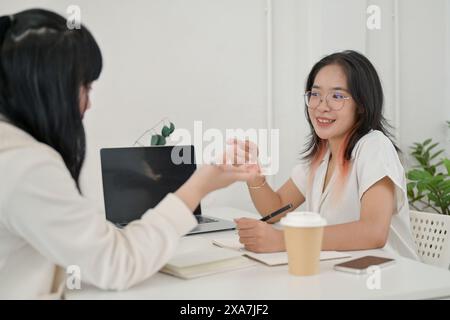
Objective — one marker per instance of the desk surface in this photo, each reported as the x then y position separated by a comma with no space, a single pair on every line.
407,279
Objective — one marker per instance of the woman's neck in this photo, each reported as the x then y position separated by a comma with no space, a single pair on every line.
334,145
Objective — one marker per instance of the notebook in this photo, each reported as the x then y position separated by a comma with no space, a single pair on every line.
270,259
197,257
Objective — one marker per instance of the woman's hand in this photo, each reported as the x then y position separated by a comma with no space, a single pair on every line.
245,153
240,152
212,177
209,178
259,236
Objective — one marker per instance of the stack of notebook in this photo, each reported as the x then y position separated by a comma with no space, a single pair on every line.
197,257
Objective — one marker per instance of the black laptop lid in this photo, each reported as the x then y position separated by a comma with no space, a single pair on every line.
137,179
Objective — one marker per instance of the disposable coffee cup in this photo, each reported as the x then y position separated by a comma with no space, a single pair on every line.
303,233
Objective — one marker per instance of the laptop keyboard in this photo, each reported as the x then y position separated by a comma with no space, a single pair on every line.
201,219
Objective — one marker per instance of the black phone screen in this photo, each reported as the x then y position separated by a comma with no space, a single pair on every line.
364,262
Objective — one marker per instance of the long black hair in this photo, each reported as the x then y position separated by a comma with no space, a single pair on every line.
43,64
366,90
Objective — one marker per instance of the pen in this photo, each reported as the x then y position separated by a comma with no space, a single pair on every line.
275,213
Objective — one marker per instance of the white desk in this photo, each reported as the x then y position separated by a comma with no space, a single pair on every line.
406,279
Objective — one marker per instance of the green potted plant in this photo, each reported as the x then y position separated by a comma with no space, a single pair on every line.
428,192
152,138
160,139
429,181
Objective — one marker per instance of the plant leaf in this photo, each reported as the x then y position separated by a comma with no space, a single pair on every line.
436,154
447,165
433,197
422,185
416,198
154,140
432,146
431,170
446,200
165,131
172,128
417,175
420,159
410,187
445,187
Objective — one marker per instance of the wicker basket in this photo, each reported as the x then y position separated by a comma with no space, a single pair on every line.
431,231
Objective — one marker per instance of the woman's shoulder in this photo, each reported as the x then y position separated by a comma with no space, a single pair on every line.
374,143
20,151
375,136
13,138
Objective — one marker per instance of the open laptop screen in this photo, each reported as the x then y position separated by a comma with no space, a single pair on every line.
137,179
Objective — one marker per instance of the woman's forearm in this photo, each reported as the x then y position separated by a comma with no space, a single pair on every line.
264,198
359,235
191,192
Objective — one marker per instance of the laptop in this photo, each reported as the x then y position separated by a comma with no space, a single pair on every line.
136,179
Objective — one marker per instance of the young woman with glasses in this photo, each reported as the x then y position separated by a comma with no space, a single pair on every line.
350,172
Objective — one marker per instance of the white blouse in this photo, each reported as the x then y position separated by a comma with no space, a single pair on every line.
373,158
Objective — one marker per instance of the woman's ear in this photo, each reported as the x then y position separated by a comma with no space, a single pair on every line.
84,98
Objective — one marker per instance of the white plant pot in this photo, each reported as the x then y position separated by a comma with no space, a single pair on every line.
431,232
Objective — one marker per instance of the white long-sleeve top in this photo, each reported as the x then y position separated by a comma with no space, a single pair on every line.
45,223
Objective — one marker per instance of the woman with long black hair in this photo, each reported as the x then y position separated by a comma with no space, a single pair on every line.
46,72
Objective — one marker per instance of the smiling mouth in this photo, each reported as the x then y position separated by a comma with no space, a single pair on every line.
324,121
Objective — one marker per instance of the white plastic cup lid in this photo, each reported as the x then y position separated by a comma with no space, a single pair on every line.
303,219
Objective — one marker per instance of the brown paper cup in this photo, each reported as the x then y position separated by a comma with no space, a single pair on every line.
303,246
303,233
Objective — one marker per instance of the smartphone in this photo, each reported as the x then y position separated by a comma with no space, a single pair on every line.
360,265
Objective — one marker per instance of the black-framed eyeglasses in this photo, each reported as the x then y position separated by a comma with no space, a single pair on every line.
335,100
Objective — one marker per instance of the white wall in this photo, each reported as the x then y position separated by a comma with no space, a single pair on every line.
447,69
301,38
188,60
207,60
424,90
380,46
